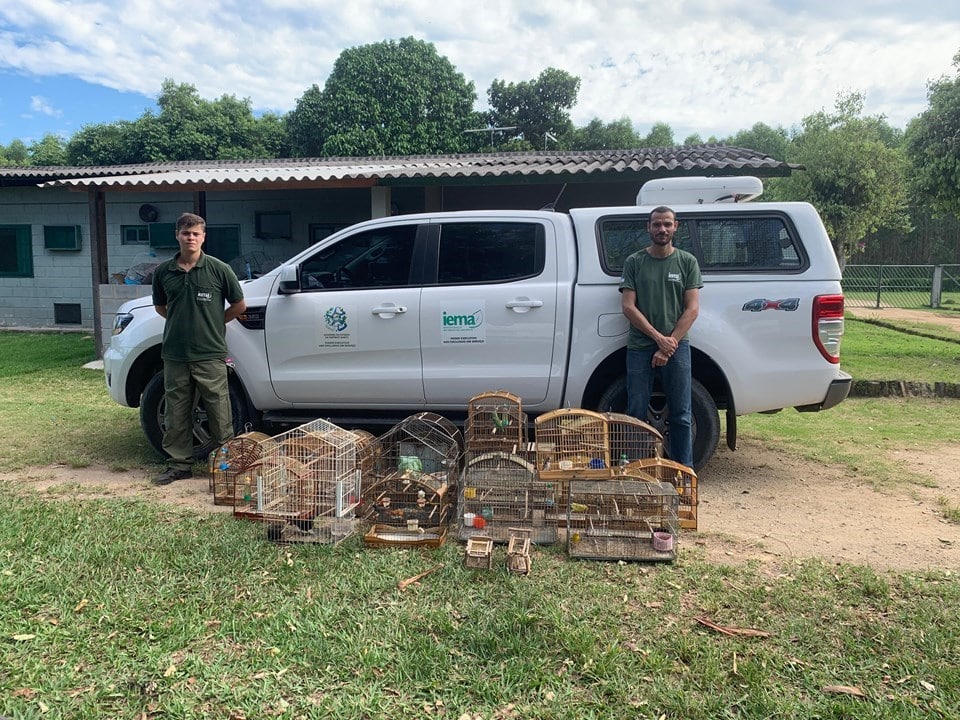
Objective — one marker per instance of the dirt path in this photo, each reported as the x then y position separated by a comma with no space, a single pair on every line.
949,319
755,504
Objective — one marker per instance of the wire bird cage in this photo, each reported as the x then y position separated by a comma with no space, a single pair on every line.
231,461
495,422
631,439
306,487
500,491
683,479
408,498
622,519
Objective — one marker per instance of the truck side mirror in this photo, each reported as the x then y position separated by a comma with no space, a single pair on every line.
289,280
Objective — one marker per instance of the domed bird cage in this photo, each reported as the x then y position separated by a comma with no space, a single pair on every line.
408,498
501,492
231,461
306,487
631,439
495,422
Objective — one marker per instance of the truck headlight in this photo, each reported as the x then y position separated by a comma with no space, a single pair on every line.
121,321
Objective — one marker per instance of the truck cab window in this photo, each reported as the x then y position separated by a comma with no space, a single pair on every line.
489,252
376,258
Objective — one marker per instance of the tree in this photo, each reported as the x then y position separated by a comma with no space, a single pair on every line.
616,135
855,173
535,107
933,144
49,150
397,98
762,138
660,136
16,153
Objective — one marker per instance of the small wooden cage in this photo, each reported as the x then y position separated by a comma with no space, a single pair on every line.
306,487
231,461
479,553
518,551
683,478
572,442
622,519
495,422
631,439
500,491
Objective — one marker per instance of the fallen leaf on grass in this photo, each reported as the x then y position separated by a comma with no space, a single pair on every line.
170,671
928,686
843,690
22,638
81,605
733,631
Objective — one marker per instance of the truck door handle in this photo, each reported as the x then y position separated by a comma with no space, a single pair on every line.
388,310
524,304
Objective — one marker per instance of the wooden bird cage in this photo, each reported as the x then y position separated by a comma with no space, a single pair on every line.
306,487
479,553
622,519
500,491
495,422
407,508
572,442
518,551
231,461
683,478
631,439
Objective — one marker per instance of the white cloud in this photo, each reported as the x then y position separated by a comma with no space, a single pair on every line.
40,105
700,66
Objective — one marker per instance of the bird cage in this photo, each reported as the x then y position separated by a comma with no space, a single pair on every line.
407,508
479,553
368,447
306,487
231,460
622,519
425,443
500,491
683,478
495,422
631,439
572,442
518,551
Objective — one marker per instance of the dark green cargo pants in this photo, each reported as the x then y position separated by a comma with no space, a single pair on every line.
181,383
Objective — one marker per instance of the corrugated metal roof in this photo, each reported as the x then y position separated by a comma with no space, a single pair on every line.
707,159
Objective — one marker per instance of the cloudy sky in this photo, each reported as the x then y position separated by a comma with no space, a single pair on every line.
711,67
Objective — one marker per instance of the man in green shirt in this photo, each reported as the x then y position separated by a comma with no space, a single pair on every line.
660,296
190,291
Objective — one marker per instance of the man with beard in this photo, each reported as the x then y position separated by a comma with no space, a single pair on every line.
660,297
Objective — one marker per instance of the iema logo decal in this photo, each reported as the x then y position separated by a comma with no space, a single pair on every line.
462,322
336,319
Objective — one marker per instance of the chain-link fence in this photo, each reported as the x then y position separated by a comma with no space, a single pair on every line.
902,286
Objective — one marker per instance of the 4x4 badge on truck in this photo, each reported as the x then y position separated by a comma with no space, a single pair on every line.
788,304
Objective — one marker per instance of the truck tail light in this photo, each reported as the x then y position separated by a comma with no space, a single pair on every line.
828,325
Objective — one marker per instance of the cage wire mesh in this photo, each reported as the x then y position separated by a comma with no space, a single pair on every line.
495,422
572,442
631,439
681,477
306,486
231,461
622,519
501,491
409,498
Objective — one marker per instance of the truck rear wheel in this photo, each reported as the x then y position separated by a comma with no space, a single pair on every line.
706,418
151,418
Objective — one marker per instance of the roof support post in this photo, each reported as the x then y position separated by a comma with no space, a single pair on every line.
379,201
99,265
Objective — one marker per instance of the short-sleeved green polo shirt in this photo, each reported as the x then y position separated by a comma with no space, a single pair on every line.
195,302
659,284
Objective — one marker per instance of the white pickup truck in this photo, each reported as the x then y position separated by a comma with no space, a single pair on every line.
421,312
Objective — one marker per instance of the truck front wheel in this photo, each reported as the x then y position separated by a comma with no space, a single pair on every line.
151,417
706,418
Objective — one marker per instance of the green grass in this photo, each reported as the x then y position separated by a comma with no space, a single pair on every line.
123,608
917,352
117,609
